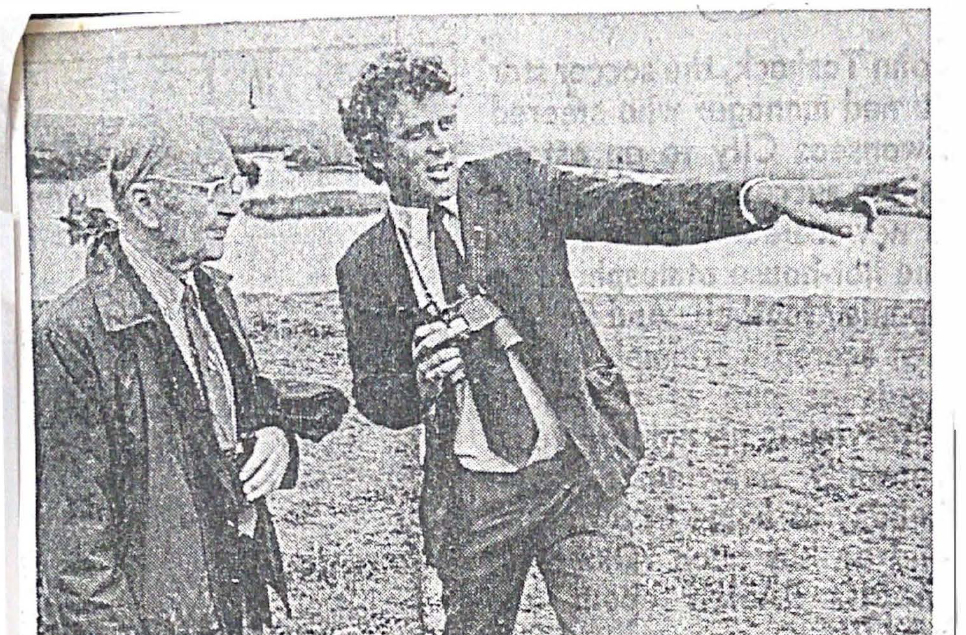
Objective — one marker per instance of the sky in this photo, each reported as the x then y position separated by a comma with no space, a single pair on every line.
788,94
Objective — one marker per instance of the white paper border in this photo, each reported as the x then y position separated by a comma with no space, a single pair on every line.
947,141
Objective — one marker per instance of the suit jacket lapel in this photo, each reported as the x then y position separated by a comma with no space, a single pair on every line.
390,269
220,310
126,306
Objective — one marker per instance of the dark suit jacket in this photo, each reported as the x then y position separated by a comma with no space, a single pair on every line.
108,375
517,213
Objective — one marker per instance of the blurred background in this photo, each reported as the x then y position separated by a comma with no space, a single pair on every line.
709,95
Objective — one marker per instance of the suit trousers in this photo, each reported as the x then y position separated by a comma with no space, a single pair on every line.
551,512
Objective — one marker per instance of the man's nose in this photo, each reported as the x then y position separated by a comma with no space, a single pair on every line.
440,141
230,208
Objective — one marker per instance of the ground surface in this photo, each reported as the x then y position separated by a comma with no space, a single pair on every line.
785,488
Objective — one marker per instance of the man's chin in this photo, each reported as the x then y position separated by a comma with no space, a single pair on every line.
214,250
442,191
424,196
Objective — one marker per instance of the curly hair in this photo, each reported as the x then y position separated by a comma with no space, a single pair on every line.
375,96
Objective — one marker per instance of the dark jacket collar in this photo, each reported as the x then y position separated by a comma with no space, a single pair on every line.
120,296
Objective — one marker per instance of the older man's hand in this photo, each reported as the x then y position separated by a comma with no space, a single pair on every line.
263,472
837,206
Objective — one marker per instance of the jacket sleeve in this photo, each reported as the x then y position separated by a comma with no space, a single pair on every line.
626,208
265,397
82,588
309,416
378,341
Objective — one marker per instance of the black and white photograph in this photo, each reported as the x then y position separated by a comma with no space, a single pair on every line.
490,324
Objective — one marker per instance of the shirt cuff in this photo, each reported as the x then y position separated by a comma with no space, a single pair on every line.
743,199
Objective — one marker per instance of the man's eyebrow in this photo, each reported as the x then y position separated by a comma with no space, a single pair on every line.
213,171
420,127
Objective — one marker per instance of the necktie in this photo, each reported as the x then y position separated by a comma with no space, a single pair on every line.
508,424
210,370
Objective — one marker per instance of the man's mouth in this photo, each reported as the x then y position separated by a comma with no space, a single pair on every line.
440,171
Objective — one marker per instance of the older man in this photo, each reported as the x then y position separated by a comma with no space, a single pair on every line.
461,315
157,439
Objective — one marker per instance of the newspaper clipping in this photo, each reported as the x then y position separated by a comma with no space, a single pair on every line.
585,323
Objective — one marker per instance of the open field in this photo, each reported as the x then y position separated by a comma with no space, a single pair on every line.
785,489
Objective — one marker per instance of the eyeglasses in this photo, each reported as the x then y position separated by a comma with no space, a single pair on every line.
234,185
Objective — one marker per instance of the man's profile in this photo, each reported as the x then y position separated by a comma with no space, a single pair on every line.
158,439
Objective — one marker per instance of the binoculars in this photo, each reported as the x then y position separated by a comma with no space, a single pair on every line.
474,313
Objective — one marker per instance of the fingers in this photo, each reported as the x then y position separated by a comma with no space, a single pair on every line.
426,329
444,364
899,197
430,336
897,208
266,480
902,189
902,185
907,200
255,461
457,375
437,360
264,470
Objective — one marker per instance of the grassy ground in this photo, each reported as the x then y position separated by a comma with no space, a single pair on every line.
785,489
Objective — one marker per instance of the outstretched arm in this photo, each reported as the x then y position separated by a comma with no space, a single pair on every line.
617,207
611,206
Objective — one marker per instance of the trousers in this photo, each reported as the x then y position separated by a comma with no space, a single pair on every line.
555,514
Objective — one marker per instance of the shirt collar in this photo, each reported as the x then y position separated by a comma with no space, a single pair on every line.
165,287
403,216
449,204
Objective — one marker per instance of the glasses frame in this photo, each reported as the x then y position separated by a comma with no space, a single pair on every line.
236,183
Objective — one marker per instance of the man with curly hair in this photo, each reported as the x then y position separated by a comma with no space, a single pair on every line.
461,315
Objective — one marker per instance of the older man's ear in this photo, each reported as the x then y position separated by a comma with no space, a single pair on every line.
143,206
